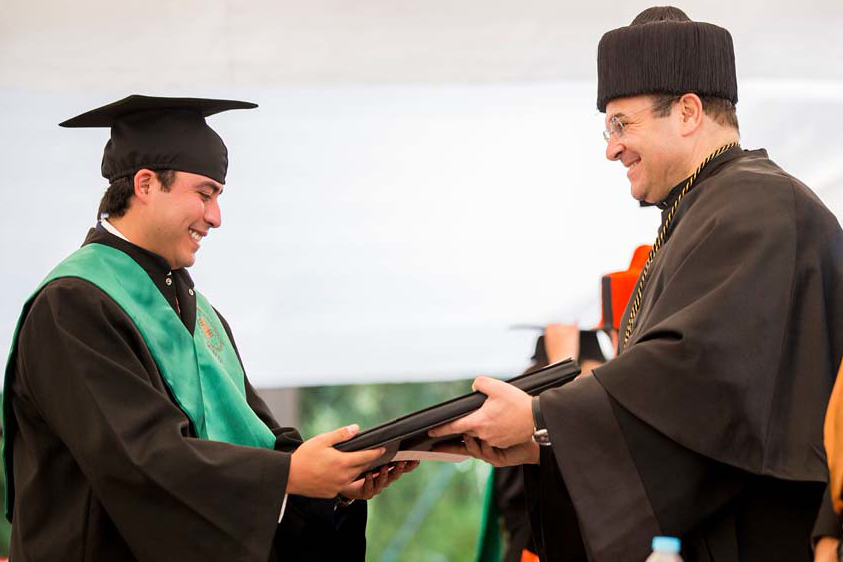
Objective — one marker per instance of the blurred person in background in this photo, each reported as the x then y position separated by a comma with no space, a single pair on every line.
505,514
828,530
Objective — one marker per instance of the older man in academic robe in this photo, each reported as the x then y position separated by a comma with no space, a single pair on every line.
707,426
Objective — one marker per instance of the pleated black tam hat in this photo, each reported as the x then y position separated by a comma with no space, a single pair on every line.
663,51
161,134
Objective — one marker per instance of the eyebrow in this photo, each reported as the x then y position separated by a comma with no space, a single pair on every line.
622,115
214,187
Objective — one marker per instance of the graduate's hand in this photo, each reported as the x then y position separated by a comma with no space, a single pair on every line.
317,470
375,482
504,420
524,453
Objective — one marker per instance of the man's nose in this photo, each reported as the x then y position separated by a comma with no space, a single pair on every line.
614,148
213,215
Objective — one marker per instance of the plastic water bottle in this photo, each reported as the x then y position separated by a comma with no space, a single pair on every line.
665,549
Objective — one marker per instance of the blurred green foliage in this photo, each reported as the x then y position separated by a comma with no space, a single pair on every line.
430,515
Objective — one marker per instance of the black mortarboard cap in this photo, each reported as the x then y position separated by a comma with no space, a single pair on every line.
161,134
663,51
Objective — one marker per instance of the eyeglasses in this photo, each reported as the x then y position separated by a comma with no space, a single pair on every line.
617,125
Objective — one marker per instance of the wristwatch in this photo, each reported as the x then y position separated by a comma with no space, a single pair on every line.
342,501
540,434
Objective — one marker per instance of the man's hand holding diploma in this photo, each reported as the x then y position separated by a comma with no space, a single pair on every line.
500,432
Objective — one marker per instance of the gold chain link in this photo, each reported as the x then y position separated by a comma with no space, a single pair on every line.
662,237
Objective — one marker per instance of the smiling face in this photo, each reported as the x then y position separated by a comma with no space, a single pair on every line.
653,149
176,220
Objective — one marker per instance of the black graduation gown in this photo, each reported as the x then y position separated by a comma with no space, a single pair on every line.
107,467
708,426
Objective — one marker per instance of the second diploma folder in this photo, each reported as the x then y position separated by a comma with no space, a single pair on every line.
406,438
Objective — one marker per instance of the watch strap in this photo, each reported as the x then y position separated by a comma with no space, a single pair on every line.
538,419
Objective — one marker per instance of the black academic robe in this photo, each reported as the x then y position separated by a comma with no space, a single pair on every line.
108,468
708,425
828,523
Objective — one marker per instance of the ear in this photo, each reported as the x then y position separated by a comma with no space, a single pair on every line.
691,113
143,183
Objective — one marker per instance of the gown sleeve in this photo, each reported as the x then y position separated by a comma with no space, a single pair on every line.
589,468
87,371
613,482
827,523
311,528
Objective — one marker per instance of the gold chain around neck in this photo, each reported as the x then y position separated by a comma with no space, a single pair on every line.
662,238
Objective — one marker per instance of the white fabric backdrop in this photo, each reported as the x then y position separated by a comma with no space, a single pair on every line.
416,179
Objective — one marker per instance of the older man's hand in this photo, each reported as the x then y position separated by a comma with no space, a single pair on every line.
504,420
524,453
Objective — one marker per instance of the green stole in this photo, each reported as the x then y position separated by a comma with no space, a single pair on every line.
201,370
489,543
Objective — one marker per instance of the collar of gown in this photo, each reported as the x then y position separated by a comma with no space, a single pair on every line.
113,229
155,265
710,168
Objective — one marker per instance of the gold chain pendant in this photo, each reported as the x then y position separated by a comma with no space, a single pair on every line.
662,238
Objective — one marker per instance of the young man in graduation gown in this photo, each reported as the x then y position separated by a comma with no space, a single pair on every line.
132,432
708,424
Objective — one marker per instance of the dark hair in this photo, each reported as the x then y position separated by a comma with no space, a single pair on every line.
720,109
115,200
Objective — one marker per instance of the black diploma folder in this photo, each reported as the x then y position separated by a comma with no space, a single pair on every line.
409,433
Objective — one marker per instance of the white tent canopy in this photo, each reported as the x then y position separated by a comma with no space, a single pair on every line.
421,174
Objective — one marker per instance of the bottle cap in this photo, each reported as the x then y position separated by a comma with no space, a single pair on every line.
666,544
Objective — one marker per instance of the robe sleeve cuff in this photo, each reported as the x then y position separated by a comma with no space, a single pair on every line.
827,523
616,517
